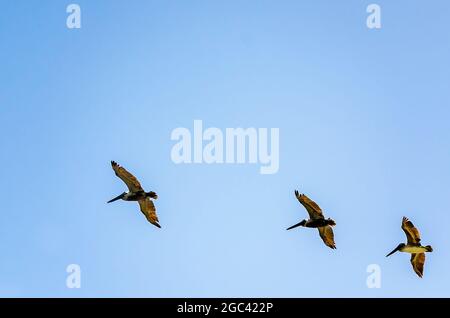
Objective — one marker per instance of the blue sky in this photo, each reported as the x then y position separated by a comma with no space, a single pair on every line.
364,131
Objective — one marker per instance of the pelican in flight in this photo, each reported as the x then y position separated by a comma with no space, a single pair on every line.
136,193
316,220
413,247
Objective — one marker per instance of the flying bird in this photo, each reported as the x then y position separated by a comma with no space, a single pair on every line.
136,193
316,220
413,247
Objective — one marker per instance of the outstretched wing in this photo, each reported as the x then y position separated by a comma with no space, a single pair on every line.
149,210
130,180
313,209
417,262
327,235
412,233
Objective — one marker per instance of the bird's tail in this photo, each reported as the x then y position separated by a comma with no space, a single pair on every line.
152,195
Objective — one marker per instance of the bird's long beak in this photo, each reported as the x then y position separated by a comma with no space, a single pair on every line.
294,226
395,250
117,198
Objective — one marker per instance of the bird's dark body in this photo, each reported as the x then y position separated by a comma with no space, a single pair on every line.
135,196
317,223
139,195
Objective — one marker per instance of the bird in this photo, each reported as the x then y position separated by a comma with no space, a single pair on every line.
316,220
413,246
136,193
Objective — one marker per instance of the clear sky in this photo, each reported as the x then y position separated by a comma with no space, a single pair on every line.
364,131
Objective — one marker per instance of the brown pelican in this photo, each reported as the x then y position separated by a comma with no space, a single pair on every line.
136,193
316,220
413,246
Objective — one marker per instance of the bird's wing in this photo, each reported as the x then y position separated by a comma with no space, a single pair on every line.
149,210
327,235
417,262
313,209
130,180
412,233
